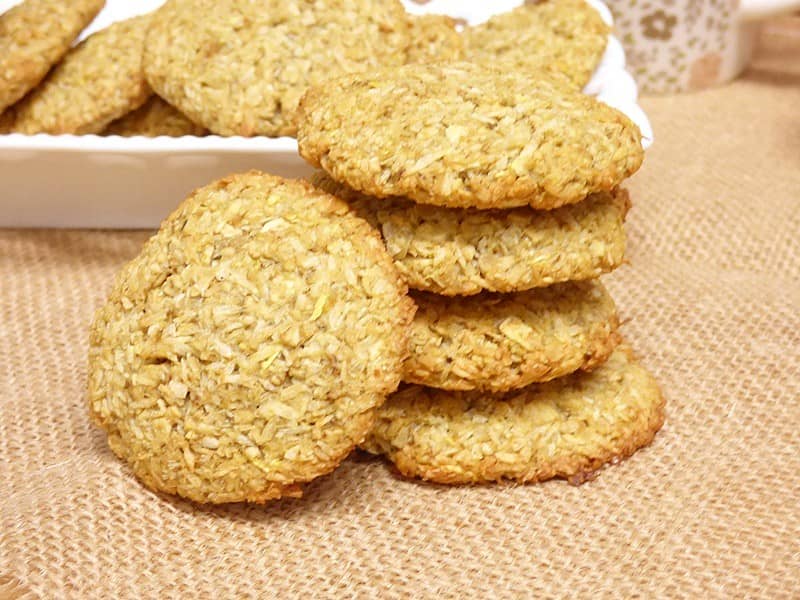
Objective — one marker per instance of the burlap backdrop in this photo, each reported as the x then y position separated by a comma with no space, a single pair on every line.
712,302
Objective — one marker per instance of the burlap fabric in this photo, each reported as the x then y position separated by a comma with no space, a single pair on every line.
712,509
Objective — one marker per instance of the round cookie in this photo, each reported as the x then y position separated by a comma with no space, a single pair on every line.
500,342
463,135
34,35
98,81
568,36
462,251
154,118
244,351
434,38
568,428
242,68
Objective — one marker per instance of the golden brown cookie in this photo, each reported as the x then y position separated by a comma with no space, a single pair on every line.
569,427
154,118
34,36
500,342
463,135
434,38
98,81
244,351
6,121
568,36
462,251
242,67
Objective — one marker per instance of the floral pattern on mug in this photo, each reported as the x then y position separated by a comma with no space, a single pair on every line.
678,45
658,25
694,10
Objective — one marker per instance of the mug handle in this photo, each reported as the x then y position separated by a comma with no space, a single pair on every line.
751,10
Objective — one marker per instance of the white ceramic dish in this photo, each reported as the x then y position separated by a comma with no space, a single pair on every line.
112,182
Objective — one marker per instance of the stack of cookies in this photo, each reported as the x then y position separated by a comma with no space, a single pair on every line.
253,342
497,195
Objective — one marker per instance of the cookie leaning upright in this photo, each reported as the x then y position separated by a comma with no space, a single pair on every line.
98,81
568,36
34,36
245,350
242,68
464,135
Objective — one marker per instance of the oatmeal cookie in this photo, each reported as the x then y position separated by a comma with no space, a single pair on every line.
154,118
34,36
245,350
434,38
242,68
98,81
499,342
568,36
463,251
568,428
464,135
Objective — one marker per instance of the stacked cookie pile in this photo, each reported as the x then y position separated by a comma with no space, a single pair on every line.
252,344
497,197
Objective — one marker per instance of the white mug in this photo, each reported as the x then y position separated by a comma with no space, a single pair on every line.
687,45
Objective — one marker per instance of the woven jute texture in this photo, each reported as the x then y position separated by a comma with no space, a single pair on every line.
711,299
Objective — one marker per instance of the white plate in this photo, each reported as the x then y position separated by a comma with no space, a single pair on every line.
113,182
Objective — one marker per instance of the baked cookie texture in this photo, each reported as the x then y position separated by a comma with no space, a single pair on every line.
155,118
434,38
568,36
245,350
98,81
242,68
461,252
34,36
499,342
464,135
568,428
6,121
